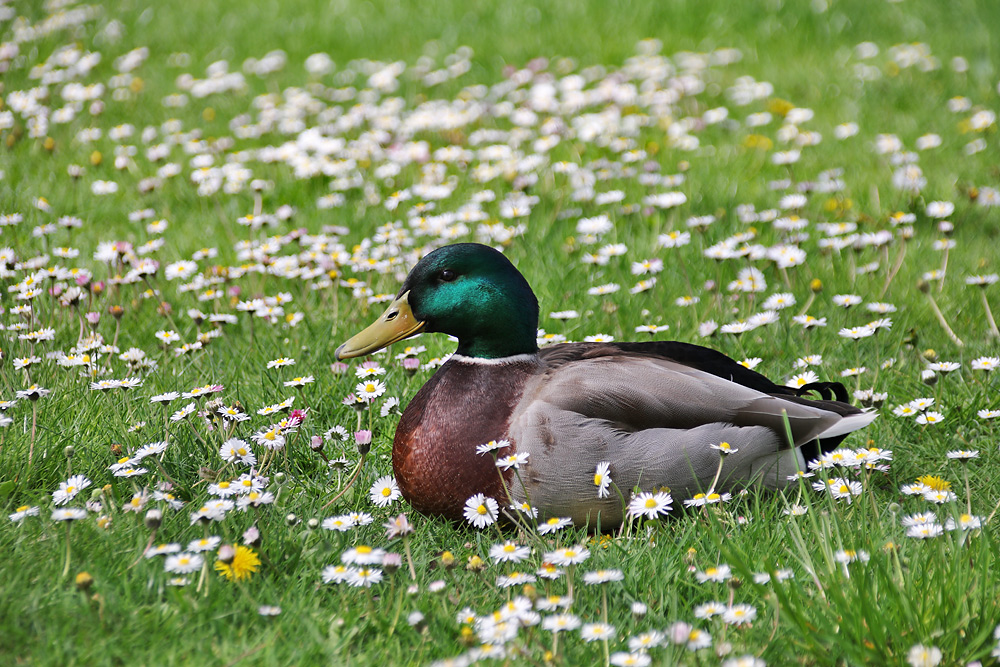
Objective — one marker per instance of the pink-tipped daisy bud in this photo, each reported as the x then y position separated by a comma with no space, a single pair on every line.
226,553
363,440
251,537
411,365
316,443
391,562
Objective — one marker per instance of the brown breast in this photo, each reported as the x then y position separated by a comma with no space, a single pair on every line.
434,452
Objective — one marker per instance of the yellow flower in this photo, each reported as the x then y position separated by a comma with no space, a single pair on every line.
243,565
935,483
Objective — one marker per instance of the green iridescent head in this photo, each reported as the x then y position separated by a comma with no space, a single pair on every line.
467,290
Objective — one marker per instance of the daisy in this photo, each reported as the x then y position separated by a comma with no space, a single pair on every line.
335,574
925,530
491,446
183,563
69,514
597,631
270,438
481,511
560,623
204,544
512,461
553,524
650,505
21,512
633,659
739,614
568,555
235,450
69,489
602,479
280,362
509,552
370,389
698,639
364,577
603,576
341,523
964,522
645,641
384,491
719,573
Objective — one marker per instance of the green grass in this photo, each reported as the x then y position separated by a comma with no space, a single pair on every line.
936,592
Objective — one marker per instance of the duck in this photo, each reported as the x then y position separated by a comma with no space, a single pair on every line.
655,412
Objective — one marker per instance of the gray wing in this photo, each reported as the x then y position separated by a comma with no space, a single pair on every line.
654,421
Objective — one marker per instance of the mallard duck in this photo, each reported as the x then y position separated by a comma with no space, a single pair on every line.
652,410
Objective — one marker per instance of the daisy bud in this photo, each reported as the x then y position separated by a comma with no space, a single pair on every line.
923,286
639,608
116,312
313,524
97,287
251,537
930,355
226,553
735,583
338,368
928,377
723,649
84,581
291,519
475,564
709,286
816,285
411,365
412,589
153,519
391,562
279,478
363,440
93,318
316,443
69,451
530,592
416,621
679,632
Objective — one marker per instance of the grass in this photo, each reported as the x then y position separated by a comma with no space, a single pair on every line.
936,592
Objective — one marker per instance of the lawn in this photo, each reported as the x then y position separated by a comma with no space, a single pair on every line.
199,202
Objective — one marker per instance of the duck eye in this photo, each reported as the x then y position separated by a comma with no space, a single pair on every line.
447,275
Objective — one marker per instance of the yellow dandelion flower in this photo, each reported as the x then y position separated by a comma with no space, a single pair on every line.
243,565
934,483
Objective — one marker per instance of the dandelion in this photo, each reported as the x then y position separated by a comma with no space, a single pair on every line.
243,565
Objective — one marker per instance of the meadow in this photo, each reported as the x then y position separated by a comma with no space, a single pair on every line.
199,203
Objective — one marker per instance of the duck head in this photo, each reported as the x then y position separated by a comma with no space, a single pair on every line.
467,290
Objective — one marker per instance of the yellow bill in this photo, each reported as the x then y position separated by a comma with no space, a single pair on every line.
396,323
